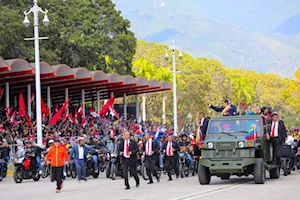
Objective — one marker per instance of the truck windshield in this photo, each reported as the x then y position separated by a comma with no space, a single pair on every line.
233,126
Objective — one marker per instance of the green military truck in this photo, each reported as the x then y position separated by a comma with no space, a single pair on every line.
236,146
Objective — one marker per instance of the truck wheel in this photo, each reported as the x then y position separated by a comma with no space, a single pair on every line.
275,173
107,169
259,171
204,175
225,176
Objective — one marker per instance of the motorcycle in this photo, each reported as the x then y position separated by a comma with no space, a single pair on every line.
195,165
183,164
287,159
23,170
113,163
3,172
90,165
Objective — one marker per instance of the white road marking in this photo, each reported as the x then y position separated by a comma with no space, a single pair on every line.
211,191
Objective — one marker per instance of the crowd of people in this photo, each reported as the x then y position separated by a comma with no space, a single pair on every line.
158,142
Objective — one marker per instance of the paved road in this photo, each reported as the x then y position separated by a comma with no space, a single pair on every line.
180,189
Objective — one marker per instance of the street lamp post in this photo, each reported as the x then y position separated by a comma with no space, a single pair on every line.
174,48
35,10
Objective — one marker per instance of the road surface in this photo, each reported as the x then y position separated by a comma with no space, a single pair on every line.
179,189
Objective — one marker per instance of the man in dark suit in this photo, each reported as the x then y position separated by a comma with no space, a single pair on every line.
233,107
151,149
203,124
171,149
128,151
226,109
276,137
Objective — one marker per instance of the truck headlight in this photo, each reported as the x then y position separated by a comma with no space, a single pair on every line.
210,145
241,144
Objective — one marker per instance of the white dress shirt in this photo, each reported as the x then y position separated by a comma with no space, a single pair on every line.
275,129
81,152
125,153
289,140
201,122
149,147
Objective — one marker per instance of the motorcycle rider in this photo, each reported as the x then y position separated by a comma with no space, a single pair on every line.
80,152
186,146
94,146
5,152
38,153
2,157
30,152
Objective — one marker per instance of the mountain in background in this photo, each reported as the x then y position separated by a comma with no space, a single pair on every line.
261,35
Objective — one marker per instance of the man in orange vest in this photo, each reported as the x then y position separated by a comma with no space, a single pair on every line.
56,156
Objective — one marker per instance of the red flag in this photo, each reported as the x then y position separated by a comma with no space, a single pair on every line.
80,112
94,113
65,117
32,98
72,120
108,104
44,108
114,112
57,116
22,105
75,111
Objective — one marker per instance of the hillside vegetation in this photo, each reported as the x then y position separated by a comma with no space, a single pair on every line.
202,78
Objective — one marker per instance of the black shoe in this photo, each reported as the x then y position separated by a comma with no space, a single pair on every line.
177,176
150,182
170,179
158,179
127,188
137,184
85,180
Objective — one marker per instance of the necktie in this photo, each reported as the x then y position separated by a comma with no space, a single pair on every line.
148,151
127,148
170,148
273,129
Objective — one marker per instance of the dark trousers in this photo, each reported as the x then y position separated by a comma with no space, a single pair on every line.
274,142
57,174
170,161
80,168
151,163
126,164
32,163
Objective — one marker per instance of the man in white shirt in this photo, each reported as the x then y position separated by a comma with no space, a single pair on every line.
80,152
171,148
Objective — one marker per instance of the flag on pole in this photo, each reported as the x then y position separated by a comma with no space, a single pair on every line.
32,98
22,104
8,111
108,104
199,136
12,119
94,113
114,112
57,116
72,120
44,108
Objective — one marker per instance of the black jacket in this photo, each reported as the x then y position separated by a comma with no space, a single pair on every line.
133,147
203,128
155,148
174,146
281,131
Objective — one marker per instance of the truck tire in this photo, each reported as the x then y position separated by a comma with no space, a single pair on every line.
204,175
225,176
259,171
275,173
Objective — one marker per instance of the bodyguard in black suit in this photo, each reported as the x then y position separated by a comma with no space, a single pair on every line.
128,151
203,123
171,149
276,137
151,149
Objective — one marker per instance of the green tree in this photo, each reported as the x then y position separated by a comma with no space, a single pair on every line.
88,33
